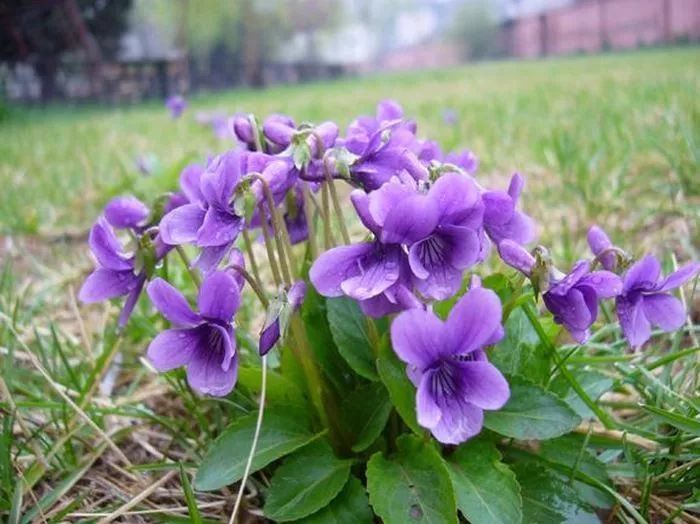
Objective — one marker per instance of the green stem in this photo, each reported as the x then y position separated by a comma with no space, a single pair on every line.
606,420
251,255
268,246
253,284
188,265
308,214
325,215
336,203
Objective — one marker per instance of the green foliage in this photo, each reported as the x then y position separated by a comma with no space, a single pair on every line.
365,414
412,485
283,432
486,489
351,506
393,374
306,482
531,413
350,329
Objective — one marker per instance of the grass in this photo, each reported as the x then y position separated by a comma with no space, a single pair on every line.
87,426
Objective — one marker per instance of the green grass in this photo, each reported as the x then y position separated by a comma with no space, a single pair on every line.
613,140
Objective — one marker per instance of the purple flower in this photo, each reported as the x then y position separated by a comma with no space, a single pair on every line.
501,218
176,104
573,298
645,300
115,274
279,130
203,342
278,317
601,246
465,159
244,131
209,221
445,360
146,164
126,212
450,117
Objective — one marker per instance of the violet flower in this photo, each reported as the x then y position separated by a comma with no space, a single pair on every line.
115,274
203,342
278,315
445,360
501,218
573,298
209,220
602,247
126,212
176,104
645,300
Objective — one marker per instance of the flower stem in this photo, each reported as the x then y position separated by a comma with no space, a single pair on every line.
336,203
251,256
256,437
270,250
607,421
326,216
308,214
185,259
254,284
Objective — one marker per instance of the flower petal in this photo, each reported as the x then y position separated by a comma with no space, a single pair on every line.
171,303
605,283
190,179
378,271
455,196
417,338
360,200
180,226
664,310
498,208
482,384
516,256
643,274
410,220
563,286
103,284
460,421
219,296
174,348
335,266
106,248
126,211
214,371
633,321
680,277
219,228
427,410
598,241
210,257
473,320
570,310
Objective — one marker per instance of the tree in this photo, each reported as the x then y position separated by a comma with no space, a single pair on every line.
43,32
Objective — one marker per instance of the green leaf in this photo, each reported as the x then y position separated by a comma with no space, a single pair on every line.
280,390
195,516
547,499
521,353
349,327
486,489
674,419
283,431
365,413
351,506
334,368
531,413
402,393
413,485
567,452
305,483
594,384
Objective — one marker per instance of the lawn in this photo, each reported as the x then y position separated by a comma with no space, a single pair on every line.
87,425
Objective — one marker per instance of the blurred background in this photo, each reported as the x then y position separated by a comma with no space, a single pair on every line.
119,51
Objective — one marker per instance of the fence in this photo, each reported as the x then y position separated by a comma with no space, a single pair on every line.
595,25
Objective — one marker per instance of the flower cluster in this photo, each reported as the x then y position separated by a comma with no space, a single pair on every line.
641,294
427,221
